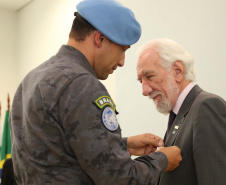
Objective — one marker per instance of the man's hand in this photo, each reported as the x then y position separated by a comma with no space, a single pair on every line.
143,144
173,154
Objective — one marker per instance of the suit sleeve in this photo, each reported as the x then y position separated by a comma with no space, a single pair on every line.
101,153
209,141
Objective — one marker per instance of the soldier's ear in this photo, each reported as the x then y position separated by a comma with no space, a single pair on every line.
98,39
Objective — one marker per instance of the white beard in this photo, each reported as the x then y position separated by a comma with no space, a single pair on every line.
164,106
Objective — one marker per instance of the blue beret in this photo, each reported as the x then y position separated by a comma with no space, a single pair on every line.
112,19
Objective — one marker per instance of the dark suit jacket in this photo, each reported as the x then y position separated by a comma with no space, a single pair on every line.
199,130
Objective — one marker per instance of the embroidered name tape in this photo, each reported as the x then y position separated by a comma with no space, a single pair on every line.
109,119
103,101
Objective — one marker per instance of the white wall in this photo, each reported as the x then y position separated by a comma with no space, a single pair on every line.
43,28
200,27
8,62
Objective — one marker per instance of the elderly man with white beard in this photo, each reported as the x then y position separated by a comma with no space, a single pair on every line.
197,121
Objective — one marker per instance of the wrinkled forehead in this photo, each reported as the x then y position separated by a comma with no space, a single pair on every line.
147,60
143,56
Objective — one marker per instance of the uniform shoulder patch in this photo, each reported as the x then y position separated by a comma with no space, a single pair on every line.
103,101
109,119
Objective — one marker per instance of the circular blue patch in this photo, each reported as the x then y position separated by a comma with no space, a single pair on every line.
109,119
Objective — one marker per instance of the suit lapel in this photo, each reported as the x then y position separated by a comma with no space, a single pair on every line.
178,122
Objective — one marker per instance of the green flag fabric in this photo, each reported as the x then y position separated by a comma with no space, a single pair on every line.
6,141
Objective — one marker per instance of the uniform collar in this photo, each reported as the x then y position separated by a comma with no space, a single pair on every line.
78,56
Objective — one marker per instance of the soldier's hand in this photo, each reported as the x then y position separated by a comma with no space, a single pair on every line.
173,154
143,144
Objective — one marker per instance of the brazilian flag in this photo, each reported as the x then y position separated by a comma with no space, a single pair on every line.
6,142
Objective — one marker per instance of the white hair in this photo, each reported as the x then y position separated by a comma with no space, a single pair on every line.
169,52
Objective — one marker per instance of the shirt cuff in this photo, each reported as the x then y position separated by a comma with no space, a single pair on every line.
161,158
124,140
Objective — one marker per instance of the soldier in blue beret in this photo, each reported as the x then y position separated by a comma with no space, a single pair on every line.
63,121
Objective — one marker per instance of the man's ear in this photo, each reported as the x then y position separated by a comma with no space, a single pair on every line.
98,39
179,70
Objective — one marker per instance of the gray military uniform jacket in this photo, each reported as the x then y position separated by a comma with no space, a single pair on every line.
58,135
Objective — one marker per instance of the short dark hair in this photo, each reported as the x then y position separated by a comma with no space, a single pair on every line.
81,28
